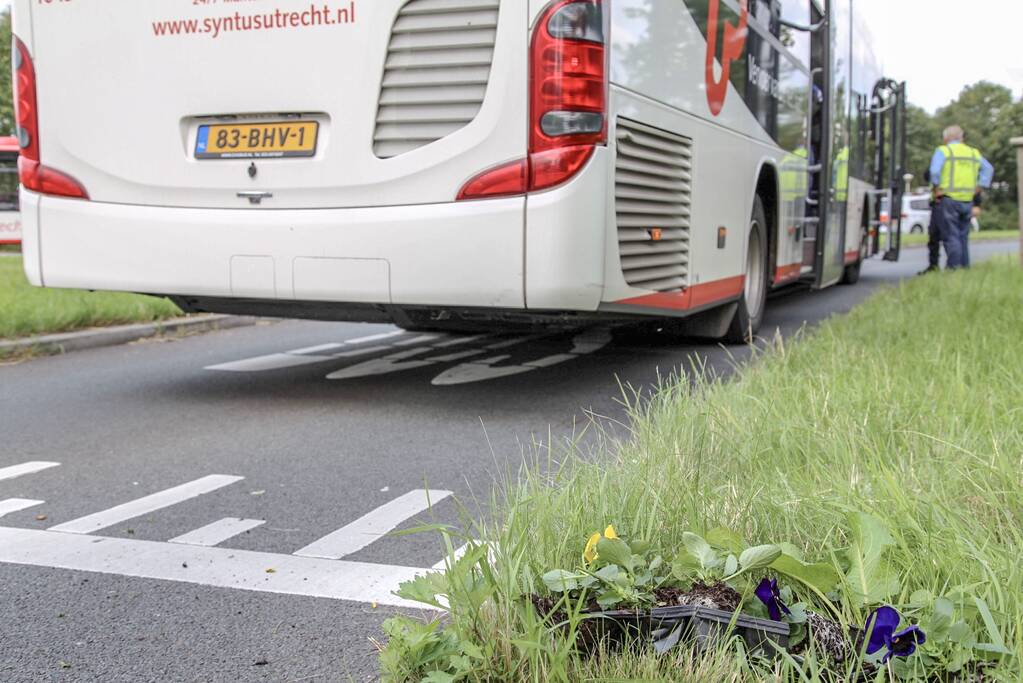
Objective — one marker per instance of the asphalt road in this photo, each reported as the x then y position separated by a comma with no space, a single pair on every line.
107,598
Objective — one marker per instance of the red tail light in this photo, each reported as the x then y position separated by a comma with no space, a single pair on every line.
568,102
33,175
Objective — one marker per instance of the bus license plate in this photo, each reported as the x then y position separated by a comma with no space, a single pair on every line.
257,140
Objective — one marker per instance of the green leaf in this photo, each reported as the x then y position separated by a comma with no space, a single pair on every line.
639,547
684,566
758,557
941,619
726,539
656,563
960,633
701,550
869,576
438,677
614,551
561,581
608,599
426,589
608,573
993,633
921,598
791,551
798,613
821,577
731,565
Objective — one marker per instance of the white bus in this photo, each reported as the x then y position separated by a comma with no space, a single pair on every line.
451,163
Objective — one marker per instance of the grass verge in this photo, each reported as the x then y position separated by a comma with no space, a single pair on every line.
906,409
27,310
982,236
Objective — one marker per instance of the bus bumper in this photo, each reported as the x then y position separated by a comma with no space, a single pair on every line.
466,254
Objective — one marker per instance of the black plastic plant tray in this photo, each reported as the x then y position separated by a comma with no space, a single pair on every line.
705,627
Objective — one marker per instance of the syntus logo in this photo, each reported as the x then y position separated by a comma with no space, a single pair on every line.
731,50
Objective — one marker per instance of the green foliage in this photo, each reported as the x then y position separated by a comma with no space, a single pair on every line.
990,118
6,91
425,652
892,410
618,576
27,310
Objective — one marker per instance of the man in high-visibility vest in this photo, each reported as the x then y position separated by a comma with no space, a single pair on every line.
957,172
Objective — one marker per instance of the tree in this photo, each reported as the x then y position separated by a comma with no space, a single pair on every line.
6,92
923,135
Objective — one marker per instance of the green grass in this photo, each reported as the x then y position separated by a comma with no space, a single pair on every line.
908,408
983,235
27,310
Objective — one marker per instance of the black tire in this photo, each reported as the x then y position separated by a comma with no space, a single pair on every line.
917,230
851,274
750,313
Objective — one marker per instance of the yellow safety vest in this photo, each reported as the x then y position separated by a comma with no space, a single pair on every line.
961,172
841,177
794,179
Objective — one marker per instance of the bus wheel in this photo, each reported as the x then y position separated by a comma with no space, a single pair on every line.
851,274
750,312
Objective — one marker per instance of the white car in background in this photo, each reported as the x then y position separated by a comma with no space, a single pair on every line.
916,213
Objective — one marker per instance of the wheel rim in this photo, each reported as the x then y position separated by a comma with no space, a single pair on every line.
754,272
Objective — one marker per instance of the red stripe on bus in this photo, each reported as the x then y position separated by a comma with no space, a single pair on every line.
852,256
694,297
786,273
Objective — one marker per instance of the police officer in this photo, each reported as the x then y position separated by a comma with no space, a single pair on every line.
957,170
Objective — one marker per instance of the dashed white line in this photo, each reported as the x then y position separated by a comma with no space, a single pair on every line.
25,468
218,567
17,504
368,528
218,532
145,505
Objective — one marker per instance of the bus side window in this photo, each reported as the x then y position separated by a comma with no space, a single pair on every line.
9,182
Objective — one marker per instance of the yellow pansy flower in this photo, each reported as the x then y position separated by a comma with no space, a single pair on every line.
590,552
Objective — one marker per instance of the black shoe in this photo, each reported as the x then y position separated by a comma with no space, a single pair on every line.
929,269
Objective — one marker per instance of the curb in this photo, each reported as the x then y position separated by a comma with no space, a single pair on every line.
67,342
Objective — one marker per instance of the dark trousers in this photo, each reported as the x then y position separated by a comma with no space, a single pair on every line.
954,224
934,239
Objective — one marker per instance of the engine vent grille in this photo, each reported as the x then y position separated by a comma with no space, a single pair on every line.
653,199
436,74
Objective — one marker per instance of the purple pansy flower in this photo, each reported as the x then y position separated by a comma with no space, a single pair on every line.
767,591
881,625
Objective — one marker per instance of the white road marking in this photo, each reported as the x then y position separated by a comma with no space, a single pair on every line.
418,340
486,369
318,350
444,563
307,356
376,337
25,468
368,528
145,505
274,361
218,532
218,567
397,362
17,504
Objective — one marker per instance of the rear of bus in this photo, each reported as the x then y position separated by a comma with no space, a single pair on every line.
347,159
